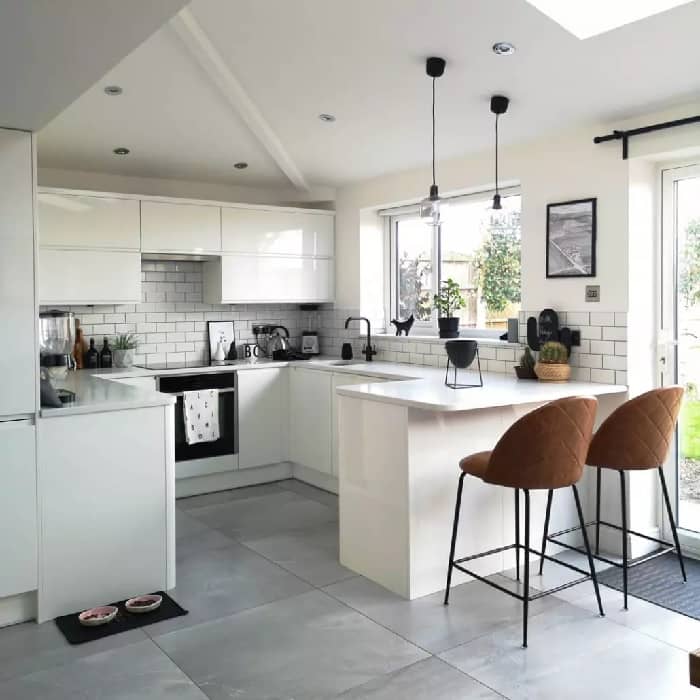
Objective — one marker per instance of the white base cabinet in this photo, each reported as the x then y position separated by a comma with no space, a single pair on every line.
262,410
18,508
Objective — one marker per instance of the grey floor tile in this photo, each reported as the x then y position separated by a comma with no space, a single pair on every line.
218,582
132,672
310,554
474,609
250,518
310,646
29,647
577,655
431,679
315,494
201,541
187,526
217,497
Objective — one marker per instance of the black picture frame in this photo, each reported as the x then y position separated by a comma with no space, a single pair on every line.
577,256
219,330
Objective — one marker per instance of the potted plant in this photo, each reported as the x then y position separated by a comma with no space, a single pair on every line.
526,368
123,350
447,301
553,363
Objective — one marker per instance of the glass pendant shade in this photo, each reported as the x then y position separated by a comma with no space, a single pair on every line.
432,208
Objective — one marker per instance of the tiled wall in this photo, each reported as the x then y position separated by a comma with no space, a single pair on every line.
171,321
602,356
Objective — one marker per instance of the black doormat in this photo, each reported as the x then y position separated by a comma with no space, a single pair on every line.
659,581
75,633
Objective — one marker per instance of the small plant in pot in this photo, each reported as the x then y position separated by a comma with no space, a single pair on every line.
447,301
123,350
553,363
526,368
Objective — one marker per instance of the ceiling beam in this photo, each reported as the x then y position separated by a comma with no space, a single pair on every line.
214,65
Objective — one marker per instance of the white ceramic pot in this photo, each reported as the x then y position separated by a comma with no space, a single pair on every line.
123,358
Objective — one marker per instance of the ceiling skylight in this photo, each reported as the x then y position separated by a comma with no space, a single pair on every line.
587,18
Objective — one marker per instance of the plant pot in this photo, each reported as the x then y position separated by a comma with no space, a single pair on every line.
461,352
449,327
123,358
524,373
551,372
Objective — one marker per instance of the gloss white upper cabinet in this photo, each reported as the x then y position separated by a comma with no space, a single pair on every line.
174,227
86,221
277,232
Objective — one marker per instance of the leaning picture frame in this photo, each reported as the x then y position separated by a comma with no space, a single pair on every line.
571,238
220,331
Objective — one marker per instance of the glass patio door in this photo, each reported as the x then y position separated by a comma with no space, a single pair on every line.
680,339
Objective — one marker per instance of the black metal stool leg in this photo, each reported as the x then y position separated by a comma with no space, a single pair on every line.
587,545
526,567
597,511
517,534
547,513
623,500
455,526
672,521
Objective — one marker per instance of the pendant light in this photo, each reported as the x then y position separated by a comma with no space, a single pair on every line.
430,207
499,105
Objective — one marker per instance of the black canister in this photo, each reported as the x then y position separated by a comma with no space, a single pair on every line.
346,351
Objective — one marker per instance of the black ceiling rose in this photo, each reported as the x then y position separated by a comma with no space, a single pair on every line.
435,66
499,104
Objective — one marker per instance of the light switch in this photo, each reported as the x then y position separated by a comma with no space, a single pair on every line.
592,292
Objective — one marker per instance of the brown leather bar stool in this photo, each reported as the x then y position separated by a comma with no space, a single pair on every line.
545,449
635,436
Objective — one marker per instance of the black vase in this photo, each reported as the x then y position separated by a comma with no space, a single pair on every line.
449,327
461,352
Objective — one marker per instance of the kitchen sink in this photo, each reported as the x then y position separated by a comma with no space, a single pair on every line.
344,363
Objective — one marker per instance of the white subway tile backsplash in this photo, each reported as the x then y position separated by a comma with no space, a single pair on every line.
616,333
605,318
603,376
615,362
602,347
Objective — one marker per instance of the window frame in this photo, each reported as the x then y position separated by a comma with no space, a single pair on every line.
392,219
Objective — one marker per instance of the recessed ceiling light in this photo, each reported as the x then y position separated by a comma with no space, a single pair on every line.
326,117
121,151
587,18
113,90
503,48
240,166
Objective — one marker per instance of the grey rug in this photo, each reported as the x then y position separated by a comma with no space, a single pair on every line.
659,581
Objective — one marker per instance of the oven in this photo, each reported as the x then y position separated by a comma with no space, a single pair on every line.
225,383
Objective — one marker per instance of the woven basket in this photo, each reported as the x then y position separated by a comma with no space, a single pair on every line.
550,372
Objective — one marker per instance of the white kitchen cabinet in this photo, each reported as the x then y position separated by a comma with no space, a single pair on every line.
310,418
86,221
262,416
277,232
191,228
18,508
343,379
256,278
89,277
18,355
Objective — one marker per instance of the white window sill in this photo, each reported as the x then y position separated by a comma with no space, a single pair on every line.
436,339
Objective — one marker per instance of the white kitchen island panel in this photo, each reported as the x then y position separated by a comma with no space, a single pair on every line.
107,521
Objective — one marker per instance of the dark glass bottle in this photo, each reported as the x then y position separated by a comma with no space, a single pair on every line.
106,355
92,356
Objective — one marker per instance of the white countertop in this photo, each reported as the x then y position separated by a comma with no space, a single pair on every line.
415,386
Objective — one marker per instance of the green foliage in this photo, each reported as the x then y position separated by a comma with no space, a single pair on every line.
554,353
498,268
689,424
413,299
689,273
127,341
527,361
449,299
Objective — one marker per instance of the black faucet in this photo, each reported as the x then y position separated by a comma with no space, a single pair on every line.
368,350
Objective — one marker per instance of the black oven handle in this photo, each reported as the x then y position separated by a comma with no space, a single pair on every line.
220,391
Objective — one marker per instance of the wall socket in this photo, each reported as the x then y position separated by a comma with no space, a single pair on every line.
592,292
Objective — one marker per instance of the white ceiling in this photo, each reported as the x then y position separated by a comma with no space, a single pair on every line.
363,61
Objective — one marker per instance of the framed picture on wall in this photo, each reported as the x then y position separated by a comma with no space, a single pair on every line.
571,238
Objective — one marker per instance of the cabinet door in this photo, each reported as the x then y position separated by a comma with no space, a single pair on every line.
253,278
84,221
89,277
18,356
343,379
180,227
310,418
18,508
276,232
262,416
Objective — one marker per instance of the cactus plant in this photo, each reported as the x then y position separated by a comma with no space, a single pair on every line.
526,368
554,353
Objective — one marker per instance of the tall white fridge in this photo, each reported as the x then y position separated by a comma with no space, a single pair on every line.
18,378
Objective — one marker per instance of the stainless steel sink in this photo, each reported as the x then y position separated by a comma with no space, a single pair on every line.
343,363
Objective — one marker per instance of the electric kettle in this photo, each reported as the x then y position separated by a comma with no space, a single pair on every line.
278,345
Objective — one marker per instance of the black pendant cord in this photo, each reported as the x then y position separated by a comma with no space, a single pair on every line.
433,132
497,153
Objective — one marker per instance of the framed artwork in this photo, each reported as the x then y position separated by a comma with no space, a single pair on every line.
571,238
220,331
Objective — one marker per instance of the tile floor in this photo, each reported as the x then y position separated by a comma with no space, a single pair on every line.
275,616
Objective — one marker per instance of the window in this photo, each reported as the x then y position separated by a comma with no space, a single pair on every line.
476,246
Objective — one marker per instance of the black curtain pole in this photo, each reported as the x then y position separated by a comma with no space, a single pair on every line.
625,135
